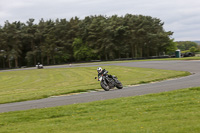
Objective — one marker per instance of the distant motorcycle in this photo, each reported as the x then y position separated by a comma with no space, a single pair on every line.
109,82
39,66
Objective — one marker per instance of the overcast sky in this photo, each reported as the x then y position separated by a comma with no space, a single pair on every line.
180,16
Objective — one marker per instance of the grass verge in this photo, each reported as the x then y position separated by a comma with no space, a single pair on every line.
136,60
170,112
41,83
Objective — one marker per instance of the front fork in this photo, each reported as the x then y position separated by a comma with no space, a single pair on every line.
104,81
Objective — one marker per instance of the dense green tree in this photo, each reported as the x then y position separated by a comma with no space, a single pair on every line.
186,45
12,43
193,49
92,38
30,37
82,51
2,48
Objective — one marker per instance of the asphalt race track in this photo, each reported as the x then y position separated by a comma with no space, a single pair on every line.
163,86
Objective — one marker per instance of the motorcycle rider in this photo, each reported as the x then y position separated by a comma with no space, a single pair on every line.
103,72
108,81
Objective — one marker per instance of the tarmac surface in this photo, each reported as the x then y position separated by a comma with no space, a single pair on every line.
142,89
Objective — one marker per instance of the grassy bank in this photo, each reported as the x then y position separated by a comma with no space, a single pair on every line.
138,60
170,112
41,83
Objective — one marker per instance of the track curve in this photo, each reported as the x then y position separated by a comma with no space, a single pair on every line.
163,86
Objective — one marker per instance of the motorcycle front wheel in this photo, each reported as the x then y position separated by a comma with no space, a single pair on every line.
105,87
119,85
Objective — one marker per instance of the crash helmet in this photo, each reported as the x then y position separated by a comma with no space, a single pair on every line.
99,69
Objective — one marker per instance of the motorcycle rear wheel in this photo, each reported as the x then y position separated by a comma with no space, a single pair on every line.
105,87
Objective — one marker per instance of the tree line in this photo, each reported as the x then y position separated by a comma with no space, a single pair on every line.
92,38
188,46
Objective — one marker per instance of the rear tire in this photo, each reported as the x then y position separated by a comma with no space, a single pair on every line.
106,88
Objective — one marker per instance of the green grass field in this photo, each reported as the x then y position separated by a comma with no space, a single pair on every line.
41,83
170,112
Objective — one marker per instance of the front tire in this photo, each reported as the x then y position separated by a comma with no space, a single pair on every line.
105,87
119,85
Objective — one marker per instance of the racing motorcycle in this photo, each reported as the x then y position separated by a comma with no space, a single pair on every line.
108,82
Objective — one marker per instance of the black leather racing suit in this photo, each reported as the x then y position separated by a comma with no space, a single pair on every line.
104,73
